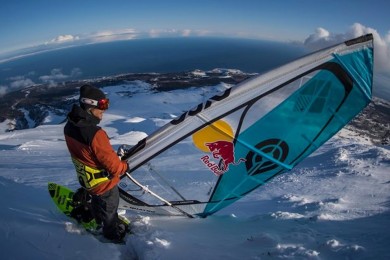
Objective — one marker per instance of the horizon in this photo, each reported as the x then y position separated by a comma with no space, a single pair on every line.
39,26
141,56
27,24
147,56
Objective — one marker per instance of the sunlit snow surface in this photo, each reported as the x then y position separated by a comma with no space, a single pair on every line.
334,205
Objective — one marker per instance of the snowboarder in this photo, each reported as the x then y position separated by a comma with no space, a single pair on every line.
98,167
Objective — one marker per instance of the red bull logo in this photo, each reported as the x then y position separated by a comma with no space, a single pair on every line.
217,139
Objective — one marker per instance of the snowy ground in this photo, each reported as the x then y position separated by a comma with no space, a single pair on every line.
334,205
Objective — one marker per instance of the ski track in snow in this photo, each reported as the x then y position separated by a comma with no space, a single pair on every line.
334,205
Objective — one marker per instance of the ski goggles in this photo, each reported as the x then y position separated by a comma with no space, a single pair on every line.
101,104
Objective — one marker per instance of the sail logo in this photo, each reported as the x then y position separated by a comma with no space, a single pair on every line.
276,148
217,139
209,163
224,151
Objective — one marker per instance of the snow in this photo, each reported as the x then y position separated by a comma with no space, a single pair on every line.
334,205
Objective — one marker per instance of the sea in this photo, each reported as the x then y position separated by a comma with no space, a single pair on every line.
161,55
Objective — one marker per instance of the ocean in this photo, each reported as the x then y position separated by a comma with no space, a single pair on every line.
148,55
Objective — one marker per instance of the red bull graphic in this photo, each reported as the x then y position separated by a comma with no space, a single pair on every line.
211,165
224,151
217,139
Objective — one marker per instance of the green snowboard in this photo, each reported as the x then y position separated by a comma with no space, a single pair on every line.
63,198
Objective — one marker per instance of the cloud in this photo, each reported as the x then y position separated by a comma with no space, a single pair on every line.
323,38
186,33
155,33
63,39
112,35
24,81
68,40
57,75
116,35
3,90
20,82
17,82
96,37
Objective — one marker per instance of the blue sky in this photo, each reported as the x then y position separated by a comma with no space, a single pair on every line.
26,23
30,26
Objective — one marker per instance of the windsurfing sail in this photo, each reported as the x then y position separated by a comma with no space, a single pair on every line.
236,141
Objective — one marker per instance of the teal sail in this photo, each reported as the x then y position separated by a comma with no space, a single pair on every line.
240,139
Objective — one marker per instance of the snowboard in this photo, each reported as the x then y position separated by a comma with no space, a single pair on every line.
63,199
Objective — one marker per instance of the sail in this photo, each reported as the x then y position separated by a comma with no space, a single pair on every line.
226,147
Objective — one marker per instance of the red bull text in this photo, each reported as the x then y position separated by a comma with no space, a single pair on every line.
224,151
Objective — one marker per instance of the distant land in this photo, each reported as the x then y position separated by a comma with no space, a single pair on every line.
39,100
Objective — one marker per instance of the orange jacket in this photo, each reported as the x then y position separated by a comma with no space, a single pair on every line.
90,145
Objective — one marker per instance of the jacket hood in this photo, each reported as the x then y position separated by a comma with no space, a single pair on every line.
82,118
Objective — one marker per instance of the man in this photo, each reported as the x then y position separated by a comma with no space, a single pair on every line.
98,167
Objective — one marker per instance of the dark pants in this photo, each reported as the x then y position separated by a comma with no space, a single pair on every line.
105,208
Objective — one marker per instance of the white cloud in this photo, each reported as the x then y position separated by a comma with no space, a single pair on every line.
323,38
186,32
17,82
67,40
101,36
23,81
64,38
112,35
3,90
203,32
382,45
57,75
20,82
76,72
155,33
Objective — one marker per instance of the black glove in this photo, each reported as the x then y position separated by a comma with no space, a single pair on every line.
123,150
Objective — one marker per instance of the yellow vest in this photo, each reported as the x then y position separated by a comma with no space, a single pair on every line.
89,177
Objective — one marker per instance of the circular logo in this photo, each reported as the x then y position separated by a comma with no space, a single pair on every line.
275,148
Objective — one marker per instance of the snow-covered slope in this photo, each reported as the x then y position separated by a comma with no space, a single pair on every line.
334,205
